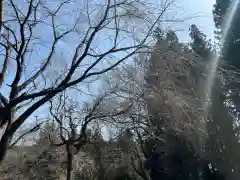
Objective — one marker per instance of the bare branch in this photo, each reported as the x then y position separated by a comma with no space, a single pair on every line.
38,97
32,130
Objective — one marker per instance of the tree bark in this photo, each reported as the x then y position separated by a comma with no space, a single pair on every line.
7,136
5,141
69,162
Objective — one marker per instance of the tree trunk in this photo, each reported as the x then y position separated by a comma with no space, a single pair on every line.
1,15
4,146
69,162
6,136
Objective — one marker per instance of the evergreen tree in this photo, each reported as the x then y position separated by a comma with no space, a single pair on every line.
222,145
172,39
231,45
224,139
178,158
199,43
158,33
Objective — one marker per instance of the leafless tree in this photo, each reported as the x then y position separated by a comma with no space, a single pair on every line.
73,122
30,84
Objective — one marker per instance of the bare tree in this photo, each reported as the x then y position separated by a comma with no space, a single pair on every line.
30,83
73,122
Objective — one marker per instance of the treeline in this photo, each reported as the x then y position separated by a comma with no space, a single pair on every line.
159,130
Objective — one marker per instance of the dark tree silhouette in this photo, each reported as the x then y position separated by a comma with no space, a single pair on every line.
180,162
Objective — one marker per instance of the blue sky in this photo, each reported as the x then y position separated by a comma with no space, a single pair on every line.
192,8
184,8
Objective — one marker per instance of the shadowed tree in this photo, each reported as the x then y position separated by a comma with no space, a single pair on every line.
230,46
200,45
